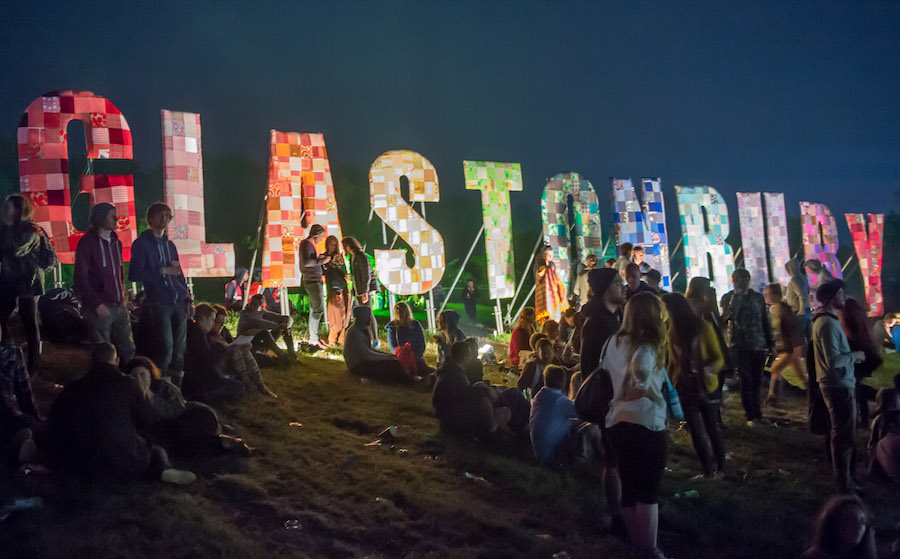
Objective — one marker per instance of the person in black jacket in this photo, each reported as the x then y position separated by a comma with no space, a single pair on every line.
311,267
365,284
202,379
95,420
470,301
25,253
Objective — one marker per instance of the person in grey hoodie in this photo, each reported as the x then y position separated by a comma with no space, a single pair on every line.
797,294
362,360
834,365
163,321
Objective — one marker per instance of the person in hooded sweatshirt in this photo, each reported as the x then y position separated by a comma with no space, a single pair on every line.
154,263
234,290
99,281
797,294
364,361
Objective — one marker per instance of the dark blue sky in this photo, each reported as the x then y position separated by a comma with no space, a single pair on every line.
798,97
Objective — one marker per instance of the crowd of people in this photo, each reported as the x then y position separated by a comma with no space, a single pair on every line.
603,372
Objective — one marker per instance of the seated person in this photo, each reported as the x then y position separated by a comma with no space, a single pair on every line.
520,336
567,325
259,323
562,351
884,443
235,358
843,529
883,330
556,432
18,414
61,320
186,428
95,420
462,409
404,330
365,361
532,378
475,368
448,334
653,279
203,380
234,290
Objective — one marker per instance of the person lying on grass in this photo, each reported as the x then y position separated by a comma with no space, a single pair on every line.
94,425
364,361
186,428
464,410
18,414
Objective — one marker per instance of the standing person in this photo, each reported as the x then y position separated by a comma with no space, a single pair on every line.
311,269
636,422
550,294
702,297
637,256
338,292
470,301
823,276
789,343
653,278
634,282
25,253
835,363
624,258
797,295
99,281
234,290
694,361
521,335
164,312
749,337
581,290
365,284
861,338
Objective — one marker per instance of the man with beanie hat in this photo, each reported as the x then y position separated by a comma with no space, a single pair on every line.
163,321
311,269
834,364
99,281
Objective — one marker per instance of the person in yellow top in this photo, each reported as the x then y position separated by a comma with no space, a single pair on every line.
694,360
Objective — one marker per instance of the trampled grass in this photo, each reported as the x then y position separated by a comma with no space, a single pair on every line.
411,497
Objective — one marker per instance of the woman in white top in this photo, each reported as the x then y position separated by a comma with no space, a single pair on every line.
636,422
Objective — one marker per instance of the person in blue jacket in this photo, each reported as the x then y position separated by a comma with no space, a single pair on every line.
163,321
404,330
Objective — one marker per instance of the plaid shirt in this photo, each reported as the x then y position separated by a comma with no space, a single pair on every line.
15,386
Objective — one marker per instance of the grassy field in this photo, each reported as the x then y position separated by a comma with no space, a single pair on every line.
419,496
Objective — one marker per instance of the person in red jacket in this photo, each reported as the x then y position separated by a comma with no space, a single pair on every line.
521,334
99,281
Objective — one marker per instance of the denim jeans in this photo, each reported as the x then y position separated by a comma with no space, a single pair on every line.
114,329
750,365
165,329
316,308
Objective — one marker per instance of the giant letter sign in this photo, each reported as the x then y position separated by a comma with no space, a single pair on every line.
704,238
869,251
44,165
388,203
820,238
776,229
183,174
555,217
300,194
643,225
753,238
496,181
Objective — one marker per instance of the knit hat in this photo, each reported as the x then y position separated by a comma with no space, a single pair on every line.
315,230
826,292
99,213
600,279
887,402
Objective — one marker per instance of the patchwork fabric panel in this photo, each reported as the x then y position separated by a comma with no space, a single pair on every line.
869,250
183,179
776,228
753,238
704,238
496,181
820,238
43,152
300,194
643,224
556,226
388,203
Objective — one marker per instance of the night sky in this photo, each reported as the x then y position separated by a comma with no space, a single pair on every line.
797,97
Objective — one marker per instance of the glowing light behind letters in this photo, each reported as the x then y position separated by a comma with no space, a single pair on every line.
300,194
496,181
643,224
820,238
44,165
555,217
183,174
869,250
388,203
704,240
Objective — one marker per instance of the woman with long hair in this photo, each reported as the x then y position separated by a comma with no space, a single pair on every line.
861,337
448,334
694,361
337,298
520,337
843,530
25,253
405,330
635,358
550,293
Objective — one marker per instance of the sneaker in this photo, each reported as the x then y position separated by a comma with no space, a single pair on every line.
178,477
751,423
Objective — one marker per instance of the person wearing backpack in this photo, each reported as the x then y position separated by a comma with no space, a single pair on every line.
694,360
25,252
